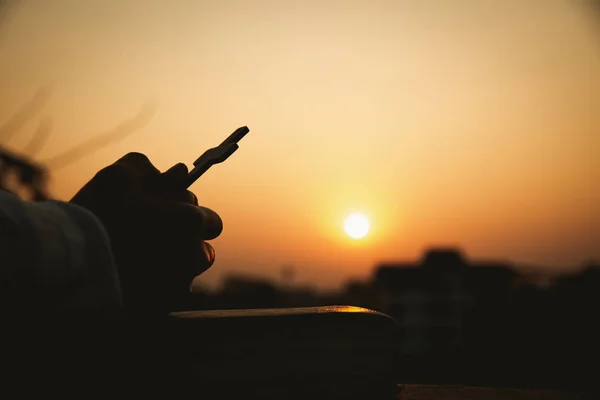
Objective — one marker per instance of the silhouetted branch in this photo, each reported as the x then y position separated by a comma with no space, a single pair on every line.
123,130
6,6
39,137
27,112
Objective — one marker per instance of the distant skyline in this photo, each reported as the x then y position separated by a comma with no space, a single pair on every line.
466,123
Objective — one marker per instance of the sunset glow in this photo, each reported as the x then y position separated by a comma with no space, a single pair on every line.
473,123
357,226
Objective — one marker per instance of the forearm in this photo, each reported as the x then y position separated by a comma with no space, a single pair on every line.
53,248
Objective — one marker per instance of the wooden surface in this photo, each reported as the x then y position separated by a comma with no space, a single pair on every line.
433,392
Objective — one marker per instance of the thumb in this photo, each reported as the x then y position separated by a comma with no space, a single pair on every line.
176,175
172,185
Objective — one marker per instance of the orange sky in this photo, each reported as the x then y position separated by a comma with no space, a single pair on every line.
474,123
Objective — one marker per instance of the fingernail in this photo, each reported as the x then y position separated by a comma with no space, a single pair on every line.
193,198
210,254
213,225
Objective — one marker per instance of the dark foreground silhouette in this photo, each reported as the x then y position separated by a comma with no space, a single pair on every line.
456,321
462,322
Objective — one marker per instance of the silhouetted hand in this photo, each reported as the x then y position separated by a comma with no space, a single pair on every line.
157,230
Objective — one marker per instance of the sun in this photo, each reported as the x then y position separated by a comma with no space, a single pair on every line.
357,226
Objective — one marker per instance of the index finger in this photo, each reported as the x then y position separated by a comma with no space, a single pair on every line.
178,218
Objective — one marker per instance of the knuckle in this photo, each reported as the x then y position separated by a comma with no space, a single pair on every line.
116,175
136,157
113,171
139,165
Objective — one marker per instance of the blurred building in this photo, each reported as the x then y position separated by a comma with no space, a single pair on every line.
434,299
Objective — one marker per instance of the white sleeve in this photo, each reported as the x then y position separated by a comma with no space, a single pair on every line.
59,249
